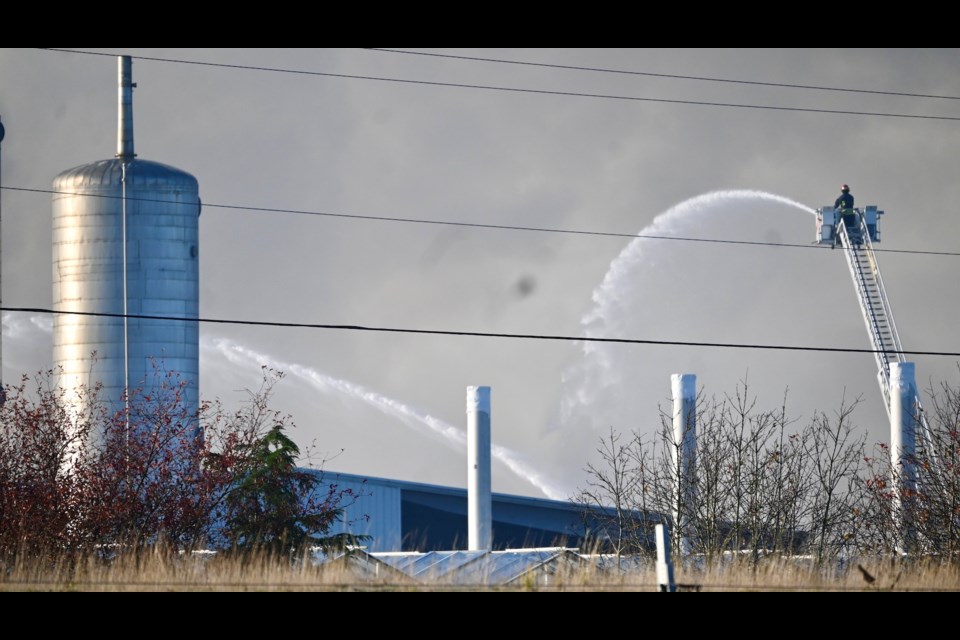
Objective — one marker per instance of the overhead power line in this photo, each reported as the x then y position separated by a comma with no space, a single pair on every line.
667,75
470,334
462,85
475,225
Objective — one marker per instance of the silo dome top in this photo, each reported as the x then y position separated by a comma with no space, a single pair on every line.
105,174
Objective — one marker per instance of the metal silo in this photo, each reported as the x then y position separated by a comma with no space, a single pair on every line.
156,209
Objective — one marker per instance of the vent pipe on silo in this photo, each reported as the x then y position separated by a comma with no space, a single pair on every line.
684,388
125,108
904,416
479,500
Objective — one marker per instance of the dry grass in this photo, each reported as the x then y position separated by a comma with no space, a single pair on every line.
794,575
783,574
162,571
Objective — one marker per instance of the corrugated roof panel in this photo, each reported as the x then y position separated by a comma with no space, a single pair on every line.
500,567
400,560
478,567
437,564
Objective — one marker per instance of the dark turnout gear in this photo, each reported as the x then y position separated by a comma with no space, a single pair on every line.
845,201
844,206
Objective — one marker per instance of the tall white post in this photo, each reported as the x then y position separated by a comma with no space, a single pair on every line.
903,445
479,500
684,388
665,579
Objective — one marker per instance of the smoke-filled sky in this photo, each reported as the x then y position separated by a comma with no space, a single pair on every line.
360,146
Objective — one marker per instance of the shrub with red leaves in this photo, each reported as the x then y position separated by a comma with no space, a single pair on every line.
77,477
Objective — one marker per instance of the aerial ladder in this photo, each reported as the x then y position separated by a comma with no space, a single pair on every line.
856,231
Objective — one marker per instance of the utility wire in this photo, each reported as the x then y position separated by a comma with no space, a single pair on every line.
514,89
666,75
479,225
472,334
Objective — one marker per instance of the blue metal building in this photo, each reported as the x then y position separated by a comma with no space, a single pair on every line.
413,516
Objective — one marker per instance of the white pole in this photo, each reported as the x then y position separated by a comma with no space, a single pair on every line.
903,445
479,500
665,578
684,388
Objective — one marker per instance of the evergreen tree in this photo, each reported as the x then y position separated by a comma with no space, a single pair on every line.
278,507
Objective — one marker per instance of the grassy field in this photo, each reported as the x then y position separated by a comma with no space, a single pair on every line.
159,571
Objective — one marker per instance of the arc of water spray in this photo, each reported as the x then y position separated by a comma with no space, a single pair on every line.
664,224
450,435
621,274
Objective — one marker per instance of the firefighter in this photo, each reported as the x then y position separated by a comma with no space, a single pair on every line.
844,206
845,201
